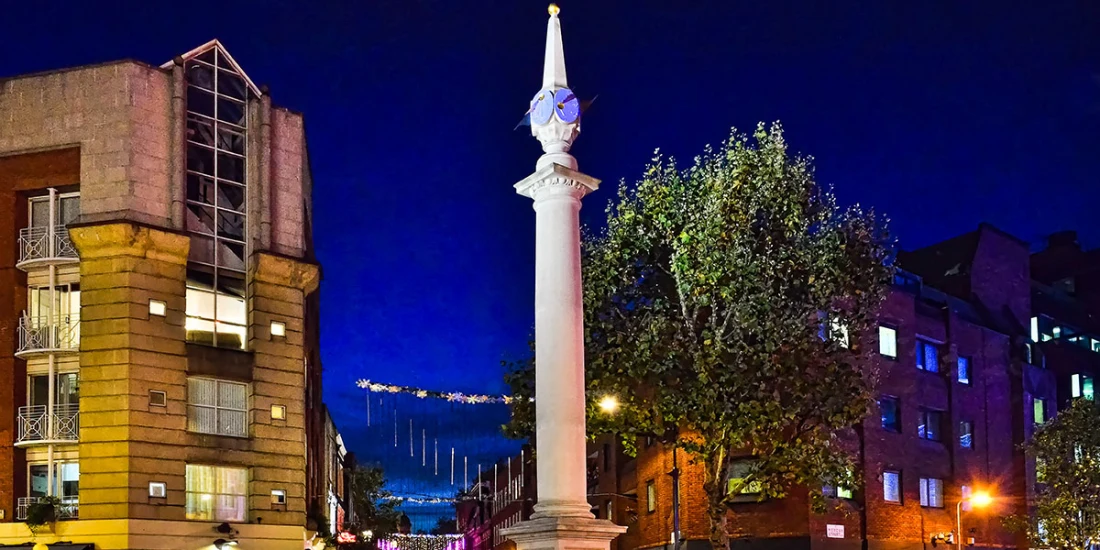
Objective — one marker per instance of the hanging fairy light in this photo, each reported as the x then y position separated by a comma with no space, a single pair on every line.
454,397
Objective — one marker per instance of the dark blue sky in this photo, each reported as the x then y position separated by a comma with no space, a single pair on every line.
942,114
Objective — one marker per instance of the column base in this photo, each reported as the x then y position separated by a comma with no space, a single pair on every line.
562,533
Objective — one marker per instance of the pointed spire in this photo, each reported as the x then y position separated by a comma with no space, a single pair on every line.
553,71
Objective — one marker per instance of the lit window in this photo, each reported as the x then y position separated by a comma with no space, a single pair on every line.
837,491
216,493
157,308
888,341
891,486
650,497
1034,329
217,407
928,425
216,318
931,492
1039,410
739,471
963,373
927,356
890,409
966,434
1081,386
278,496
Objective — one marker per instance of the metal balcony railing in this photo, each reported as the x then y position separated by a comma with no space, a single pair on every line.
39,334
34,423
67,510
45,245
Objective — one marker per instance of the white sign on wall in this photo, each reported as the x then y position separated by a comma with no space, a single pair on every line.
834,531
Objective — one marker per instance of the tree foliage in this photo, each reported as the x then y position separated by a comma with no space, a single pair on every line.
1067,501
729,307
374,510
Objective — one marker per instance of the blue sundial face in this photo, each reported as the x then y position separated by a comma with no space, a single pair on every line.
542,107
567,106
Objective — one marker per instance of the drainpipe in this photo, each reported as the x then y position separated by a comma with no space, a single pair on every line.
51,236
178,154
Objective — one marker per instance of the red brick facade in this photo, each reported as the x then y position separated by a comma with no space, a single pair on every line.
971,297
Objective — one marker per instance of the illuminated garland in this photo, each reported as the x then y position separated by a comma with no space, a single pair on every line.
423,542
454,397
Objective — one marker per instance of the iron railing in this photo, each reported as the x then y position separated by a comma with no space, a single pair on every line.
37,333
35,244
34,423
67,510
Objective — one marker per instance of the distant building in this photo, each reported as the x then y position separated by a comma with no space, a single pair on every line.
979,341
159,347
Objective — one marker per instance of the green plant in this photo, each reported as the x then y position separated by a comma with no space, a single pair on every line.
41,512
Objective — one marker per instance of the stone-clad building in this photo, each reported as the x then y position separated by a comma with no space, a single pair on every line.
159,364
979,341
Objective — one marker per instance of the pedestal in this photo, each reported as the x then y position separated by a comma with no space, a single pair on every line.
563,533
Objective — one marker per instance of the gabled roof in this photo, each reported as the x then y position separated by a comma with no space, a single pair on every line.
216,44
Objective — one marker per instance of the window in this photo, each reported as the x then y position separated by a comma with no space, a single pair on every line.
1039,410
928,425
158,489
963,372
216,493
965,496
216,318
278,497
931,492
927,356
68,210
966,434
1081,386
66,481
66,389
837,491
216,192
217,407
888,341
650,496
158,398
745,492
891,486
890,410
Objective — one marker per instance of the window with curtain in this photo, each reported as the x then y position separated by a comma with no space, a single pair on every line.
931,492
927,356
216,493
888,341
217,407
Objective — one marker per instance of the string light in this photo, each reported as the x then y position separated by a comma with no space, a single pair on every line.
454,397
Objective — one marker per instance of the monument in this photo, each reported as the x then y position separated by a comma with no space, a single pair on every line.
562,516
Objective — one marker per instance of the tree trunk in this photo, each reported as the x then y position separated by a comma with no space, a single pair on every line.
715,486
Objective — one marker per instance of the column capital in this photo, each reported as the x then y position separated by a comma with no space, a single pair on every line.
557,177
126,238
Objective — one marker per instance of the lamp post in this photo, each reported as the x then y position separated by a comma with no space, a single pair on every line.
979,499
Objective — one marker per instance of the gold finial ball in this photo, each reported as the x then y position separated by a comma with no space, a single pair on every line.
553,9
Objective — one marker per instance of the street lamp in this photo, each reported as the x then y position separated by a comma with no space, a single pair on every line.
609,404
981,499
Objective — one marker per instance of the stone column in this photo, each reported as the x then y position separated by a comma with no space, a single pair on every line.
562,517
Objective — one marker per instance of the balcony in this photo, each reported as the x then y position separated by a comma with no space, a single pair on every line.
34,425
39,335
45,246
67,510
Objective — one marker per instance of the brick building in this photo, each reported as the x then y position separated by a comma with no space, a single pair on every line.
979,340
159,362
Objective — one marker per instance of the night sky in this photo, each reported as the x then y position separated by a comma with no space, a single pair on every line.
941,114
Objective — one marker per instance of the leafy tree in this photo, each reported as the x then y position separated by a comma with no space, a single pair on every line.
730,308
374,510
1066,513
